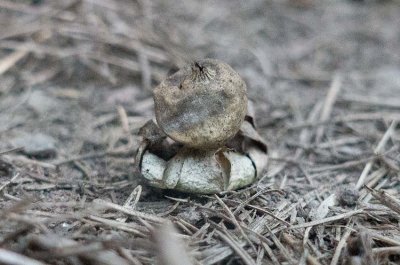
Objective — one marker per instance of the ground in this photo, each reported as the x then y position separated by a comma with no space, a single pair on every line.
76,81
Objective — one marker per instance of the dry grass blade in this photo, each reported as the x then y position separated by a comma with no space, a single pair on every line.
118,225
325,93
386,199
384,239
329,219
10,181
270,214
171,250
281,247
341,244
233,219
9,61
328,104
388,102
386,251
377,150
243,254
9,257
59,247
109,205
355,117
28,161
11,150
270,254
312,260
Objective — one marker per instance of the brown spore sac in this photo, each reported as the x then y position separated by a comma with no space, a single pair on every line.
202,105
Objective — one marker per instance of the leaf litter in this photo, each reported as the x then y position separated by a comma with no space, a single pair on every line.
324,86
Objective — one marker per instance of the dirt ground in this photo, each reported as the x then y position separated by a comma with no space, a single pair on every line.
76,81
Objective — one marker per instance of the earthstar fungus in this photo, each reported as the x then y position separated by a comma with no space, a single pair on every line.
204,139
202,105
